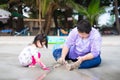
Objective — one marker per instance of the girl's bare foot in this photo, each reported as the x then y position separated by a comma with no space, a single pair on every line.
31,65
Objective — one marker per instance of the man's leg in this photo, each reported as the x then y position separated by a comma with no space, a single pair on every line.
57,53
90,63
85,64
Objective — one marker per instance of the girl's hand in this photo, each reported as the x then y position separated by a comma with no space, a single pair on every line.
45,68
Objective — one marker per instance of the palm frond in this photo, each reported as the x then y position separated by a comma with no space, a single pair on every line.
79,8
93,7
44,6
3,6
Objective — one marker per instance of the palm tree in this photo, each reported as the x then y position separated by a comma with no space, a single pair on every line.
91,12
48,17
48,7
45,11
116,16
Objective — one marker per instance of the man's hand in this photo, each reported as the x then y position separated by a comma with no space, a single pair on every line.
61,61
80,59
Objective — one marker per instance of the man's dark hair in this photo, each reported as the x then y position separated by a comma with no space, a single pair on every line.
41,38
84,26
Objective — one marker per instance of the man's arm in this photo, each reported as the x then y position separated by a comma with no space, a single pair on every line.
64,52
61,60
85,57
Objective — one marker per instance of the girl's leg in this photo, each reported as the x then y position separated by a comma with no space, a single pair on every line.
33,62
90,63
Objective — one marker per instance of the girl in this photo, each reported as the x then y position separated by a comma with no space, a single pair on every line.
30,56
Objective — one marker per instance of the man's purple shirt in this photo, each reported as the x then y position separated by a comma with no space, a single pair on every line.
80,47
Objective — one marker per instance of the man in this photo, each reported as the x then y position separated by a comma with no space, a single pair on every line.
82,46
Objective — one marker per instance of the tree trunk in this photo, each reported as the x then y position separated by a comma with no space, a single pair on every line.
48,18
55,21
20,23
116,16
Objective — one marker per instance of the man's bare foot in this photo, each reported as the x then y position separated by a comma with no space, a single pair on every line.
73,65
